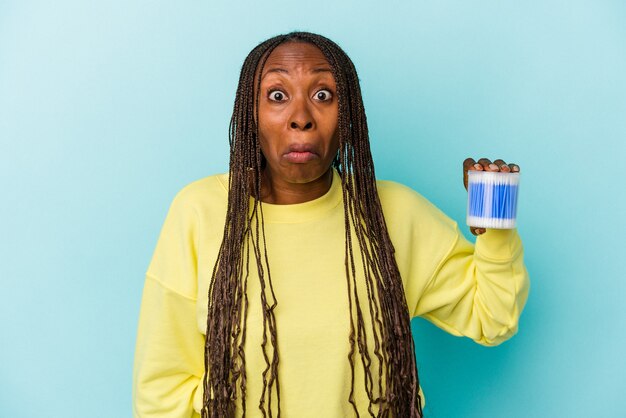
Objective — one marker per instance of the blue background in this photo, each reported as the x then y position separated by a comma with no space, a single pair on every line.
108,108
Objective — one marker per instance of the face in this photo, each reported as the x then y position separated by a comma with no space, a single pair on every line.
298,111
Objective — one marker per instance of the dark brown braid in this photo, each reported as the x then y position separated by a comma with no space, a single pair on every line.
397,381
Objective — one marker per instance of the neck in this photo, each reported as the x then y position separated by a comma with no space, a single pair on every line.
280,192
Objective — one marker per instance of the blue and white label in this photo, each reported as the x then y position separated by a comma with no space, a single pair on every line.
492,199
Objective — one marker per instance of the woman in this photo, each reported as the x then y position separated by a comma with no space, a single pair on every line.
287,286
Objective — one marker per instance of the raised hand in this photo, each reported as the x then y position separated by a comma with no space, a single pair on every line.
484,164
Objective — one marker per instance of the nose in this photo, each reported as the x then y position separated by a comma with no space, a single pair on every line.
297,125
301,119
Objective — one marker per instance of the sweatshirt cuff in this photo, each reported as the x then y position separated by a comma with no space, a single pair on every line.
498,244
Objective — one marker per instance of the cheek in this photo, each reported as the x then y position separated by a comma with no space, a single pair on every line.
270,122
265,134
263,144
334,131
267,140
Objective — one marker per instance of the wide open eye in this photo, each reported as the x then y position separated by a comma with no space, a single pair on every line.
277,96
323,95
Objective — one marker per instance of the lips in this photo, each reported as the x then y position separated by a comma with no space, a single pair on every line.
300,153
300,157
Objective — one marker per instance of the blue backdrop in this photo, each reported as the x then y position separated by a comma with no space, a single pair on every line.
108,108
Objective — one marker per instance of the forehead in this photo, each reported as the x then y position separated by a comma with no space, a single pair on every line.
295,56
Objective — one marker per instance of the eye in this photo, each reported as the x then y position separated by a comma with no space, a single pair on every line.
276,96
323,95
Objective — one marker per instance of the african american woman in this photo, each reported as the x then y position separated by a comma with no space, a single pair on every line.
286,286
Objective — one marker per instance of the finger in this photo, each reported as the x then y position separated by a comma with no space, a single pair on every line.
488,165
477,231
502,166
471,164
514,168
468,164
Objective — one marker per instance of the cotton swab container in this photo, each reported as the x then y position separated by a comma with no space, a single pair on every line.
492,199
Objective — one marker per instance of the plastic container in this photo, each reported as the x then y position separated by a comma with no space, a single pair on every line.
492,199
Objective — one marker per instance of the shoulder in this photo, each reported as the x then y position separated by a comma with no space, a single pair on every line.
202,193
392,191
399,196
402,204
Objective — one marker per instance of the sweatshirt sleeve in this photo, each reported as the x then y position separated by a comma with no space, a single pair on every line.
478,291
169,353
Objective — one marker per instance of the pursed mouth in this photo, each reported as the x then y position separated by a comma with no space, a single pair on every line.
301,148
300,157
300,153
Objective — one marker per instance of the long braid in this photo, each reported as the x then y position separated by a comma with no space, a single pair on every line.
244,233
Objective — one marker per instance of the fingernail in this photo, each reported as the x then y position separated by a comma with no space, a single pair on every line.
478,166
493,166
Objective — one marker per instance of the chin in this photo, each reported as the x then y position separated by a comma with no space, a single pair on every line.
301,174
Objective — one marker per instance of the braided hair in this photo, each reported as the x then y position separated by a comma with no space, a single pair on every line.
244,232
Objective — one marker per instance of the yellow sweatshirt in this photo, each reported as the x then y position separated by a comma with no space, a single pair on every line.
475,291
